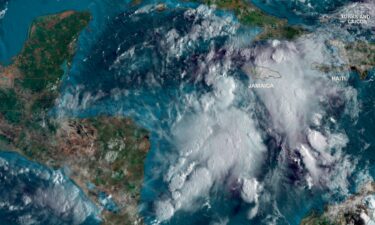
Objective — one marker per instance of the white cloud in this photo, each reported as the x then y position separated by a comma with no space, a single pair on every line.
213,143
216,140
300,99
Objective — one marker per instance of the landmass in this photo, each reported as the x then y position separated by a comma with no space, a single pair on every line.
104,155
261,72
357,210
361,56
248,14
358,56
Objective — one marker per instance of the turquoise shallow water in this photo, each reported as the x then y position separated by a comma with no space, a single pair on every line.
155,107
14,25
18,18
20,14
125,88
299,12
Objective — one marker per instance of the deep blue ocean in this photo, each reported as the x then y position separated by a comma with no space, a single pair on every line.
147,88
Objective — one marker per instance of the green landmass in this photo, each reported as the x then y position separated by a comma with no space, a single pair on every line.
354,210
50,44
106,151
250,15
10,106
361,55
358,56
316,219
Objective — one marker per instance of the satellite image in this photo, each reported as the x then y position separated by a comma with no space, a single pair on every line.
187,112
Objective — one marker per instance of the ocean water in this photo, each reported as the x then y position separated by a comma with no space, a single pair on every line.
299,12
132,72
160,68
22,201
19,15
362,130
33,193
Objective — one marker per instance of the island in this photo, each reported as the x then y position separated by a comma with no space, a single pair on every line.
104,155
357,56
357,209
250,15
